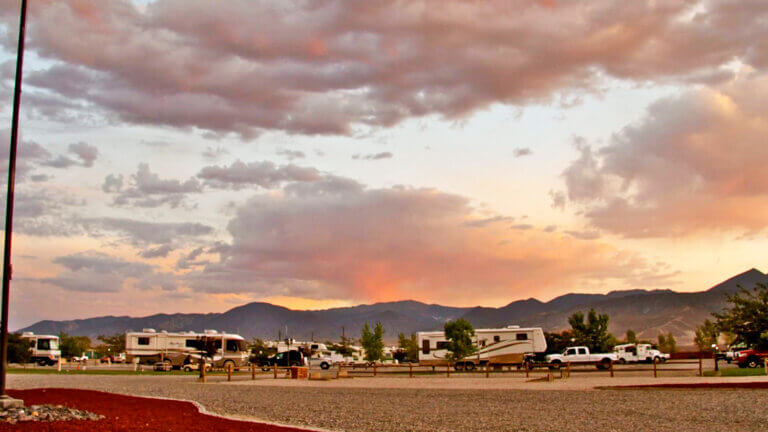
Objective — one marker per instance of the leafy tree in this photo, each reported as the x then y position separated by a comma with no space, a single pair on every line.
631,337
706,335
18,349
372,342
260,351
667,343
73,345
594,333
557,342
409,346
459,334
111,344
747,316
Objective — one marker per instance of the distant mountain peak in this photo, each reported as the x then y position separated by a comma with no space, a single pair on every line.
748,279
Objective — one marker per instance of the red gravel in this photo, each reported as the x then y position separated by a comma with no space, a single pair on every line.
128,413
693,386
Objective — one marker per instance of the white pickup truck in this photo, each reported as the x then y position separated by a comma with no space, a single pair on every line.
579,355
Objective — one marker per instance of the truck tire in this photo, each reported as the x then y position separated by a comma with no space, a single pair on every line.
325,365
622,361
604,364
555,364
42,362
187,368
753,362
469,366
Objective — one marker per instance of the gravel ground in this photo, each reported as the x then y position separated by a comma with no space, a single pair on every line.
397,409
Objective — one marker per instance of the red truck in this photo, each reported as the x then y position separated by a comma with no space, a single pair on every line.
751,358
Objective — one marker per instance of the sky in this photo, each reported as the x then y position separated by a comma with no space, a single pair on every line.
193,156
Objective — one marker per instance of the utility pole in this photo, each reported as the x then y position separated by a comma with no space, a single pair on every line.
5,400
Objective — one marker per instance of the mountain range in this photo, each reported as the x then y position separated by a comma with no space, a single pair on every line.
647,312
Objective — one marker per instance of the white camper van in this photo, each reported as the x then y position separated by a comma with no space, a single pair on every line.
179,349
45,348
507,346
629,353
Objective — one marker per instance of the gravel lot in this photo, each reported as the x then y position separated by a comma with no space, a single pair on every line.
398,409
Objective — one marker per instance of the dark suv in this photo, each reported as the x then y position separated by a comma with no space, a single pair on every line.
283,359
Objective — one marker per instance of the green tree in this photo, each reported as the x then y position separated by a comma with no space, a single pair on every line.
73,345
631,337
372,342
459,334
667,343
18,349
747,316
260,351
594,333
410,346
114,344
706,336
558,342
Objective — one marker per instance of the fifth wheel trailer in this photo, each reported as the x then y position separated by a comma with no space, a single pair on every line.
178,349
44,348
500,346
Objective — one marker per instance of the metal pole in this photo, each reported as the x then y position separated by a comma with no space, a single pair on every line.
9,203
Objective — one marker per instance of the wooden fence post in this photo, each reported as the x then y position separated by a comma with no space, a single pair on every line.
765,363
275,370
202,371
229,372
527,370
701,370
655,374
448,370
410,369
374,369
487,369
611,368
253,371
568,368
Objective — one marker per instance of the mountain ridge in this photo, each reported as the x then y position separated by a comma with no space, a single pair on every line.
648,312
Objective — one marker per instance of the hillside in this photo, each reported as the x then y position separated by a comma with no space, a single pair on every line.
646,312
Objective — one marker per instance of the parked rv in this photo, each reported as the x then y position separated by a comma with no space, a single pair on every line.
581,354
44,348
178,349
500,346
633,353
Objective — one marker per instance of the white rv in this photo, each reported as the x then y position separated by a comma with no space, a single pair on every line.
179,349
508,346
629,353
45,348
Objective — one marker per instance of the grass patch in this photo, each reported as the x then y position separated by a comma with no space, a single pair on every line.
736,372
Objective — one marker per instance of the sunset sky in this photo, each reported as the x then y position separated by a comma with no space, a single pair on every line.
192,156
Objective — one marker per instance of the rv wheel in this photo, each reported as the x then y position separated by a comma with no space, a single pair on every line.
469,366
623,361
42,362
187,368
325,365
459,367
229,364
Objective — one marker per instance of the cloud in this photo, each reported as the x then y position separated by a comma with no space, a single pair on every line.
264,174
520,152
161,251
87,153
522,227
214,153
97,272
292,154
336,238
147,189
326,68
373,156
695,163
141,233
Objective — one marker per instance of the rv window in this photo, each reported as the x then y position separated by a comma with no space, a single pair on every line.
43,344
313,346
425,346
497,338
232,346
143,341
193,343
482,343
521,336
441,345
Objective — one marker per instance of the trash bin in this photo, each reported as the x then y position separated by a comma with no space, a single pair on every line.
298,372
